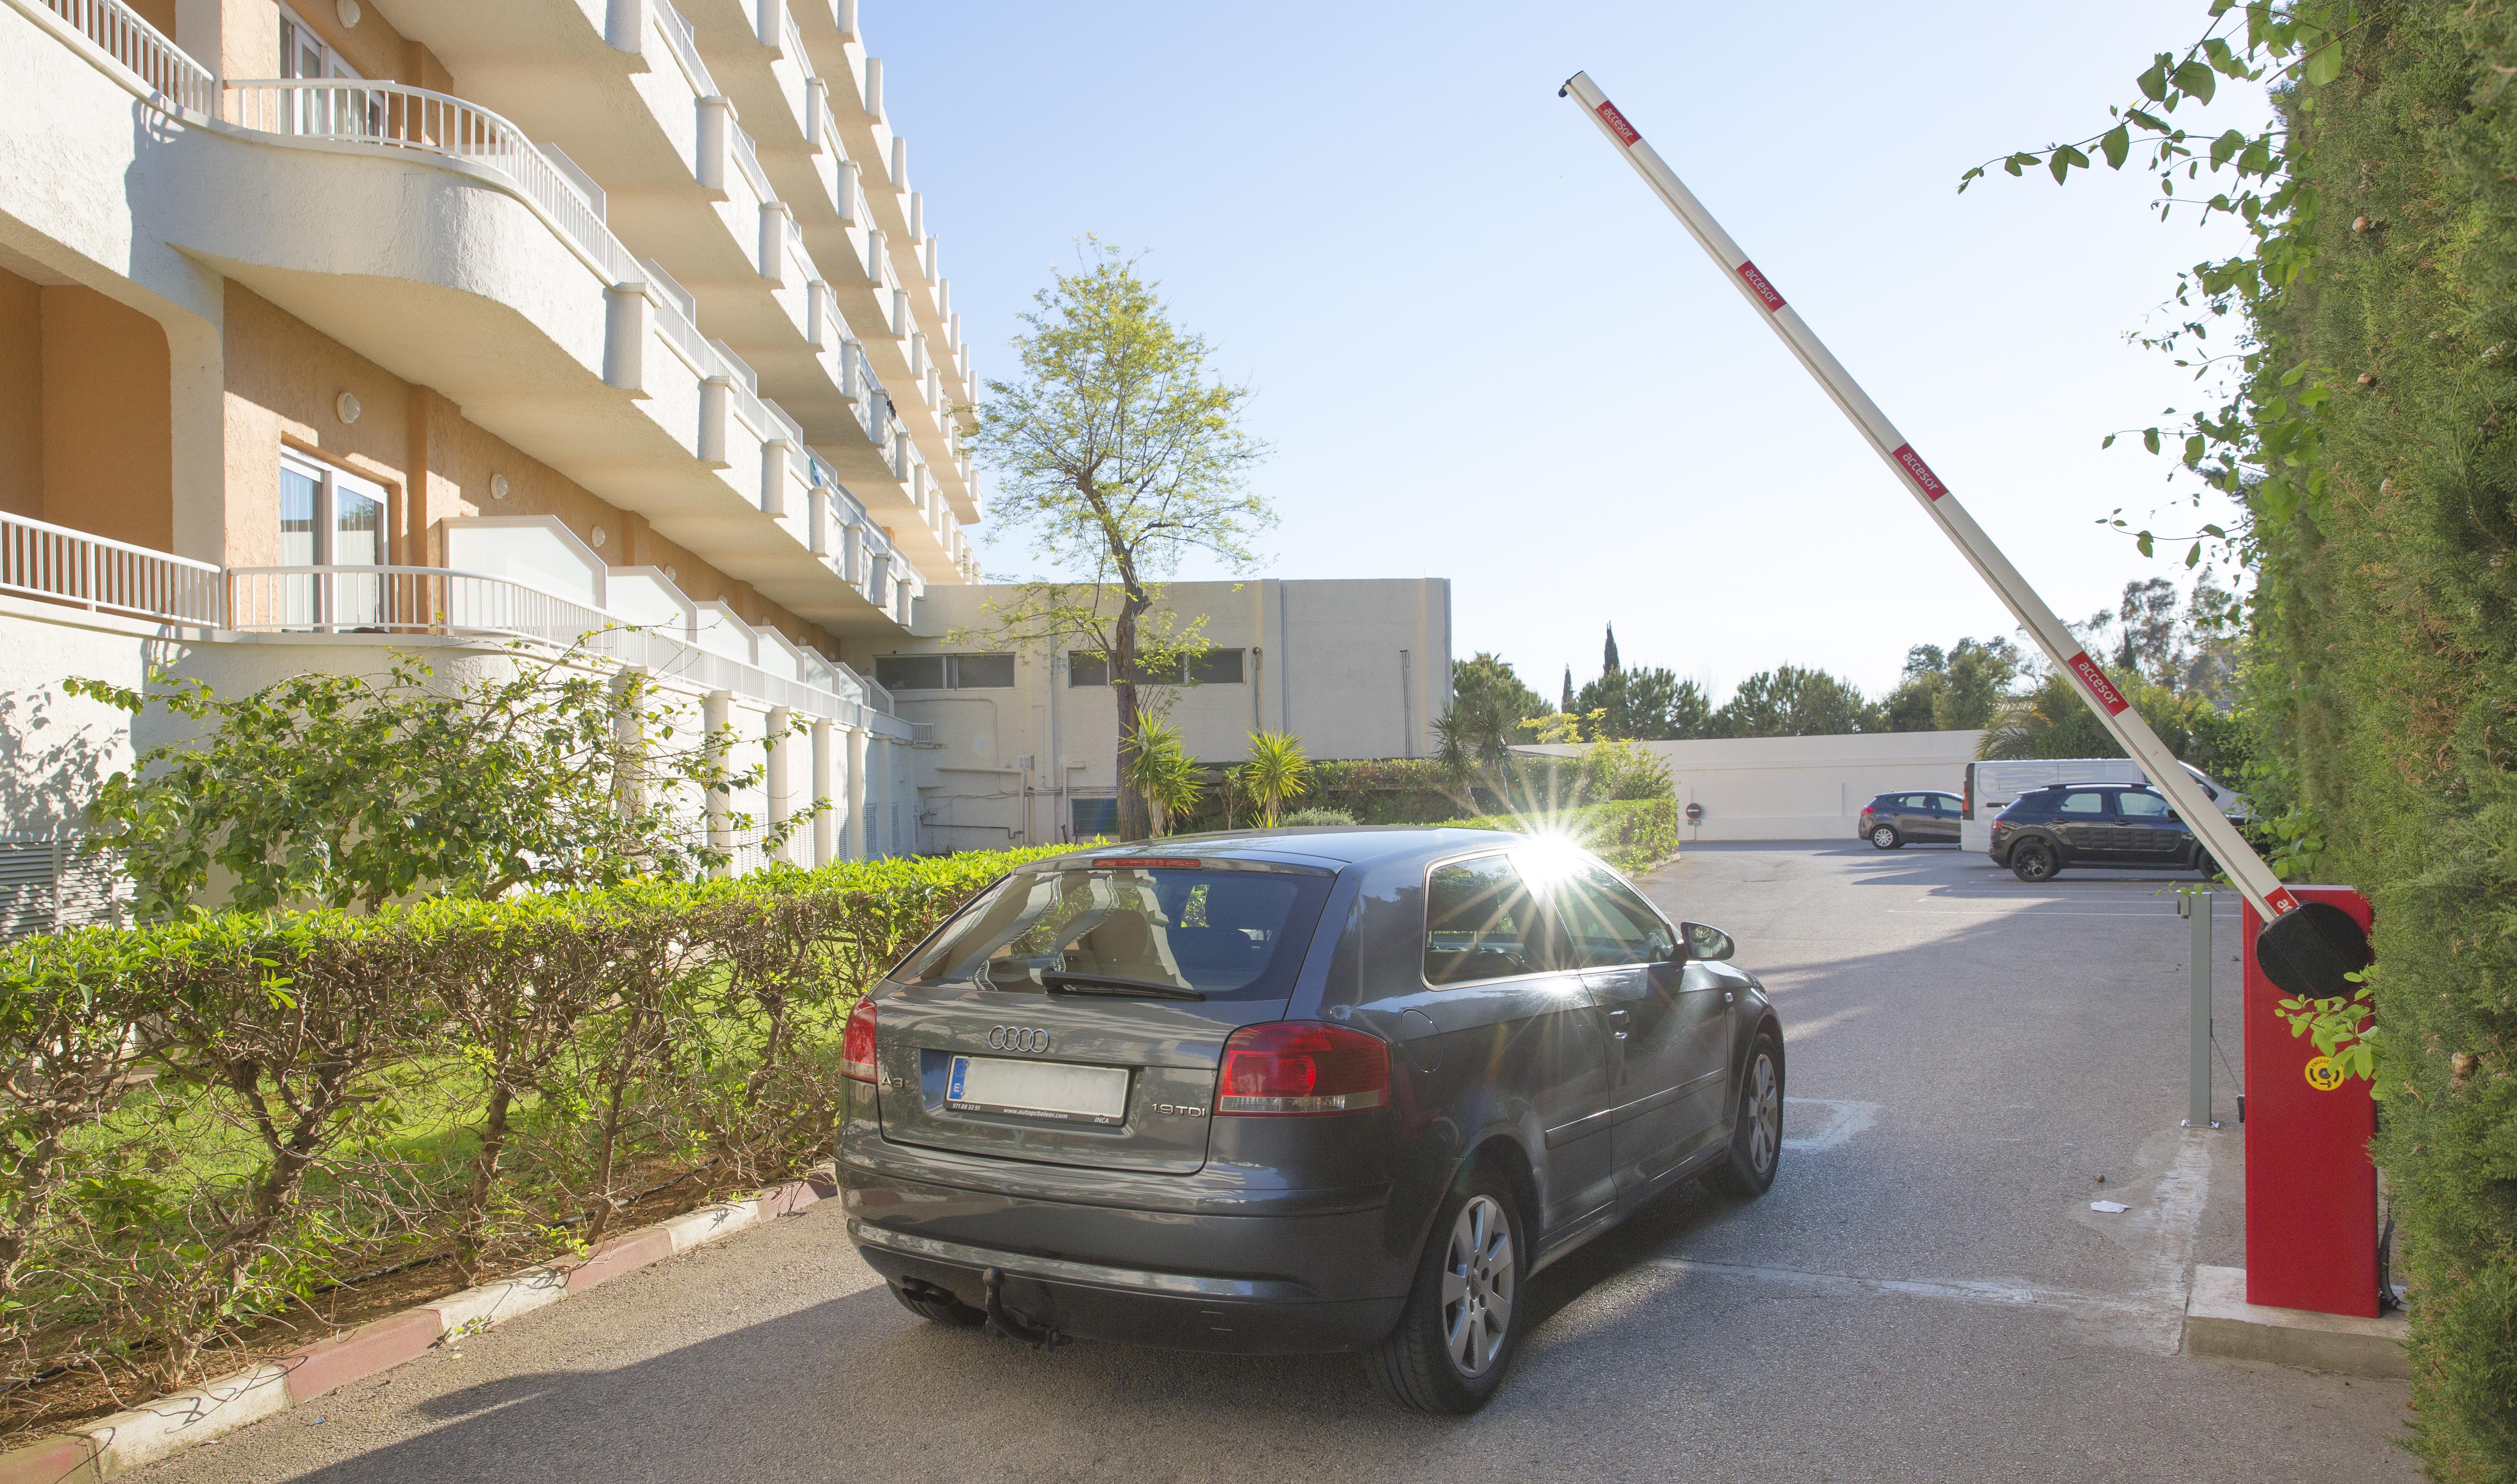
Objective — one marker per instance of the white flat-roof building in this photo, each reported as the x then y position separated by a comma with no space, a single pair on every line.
1025,741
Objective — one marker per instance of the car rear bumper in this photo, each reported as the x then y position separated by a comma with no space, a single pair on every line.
1253,1285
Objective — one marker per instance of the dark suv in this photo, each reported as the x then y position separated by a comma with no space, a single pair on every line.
1294,1091
2094,824
1901,819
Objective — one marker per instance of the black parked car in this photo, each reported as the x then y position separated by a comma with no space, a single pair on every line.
2094,824
1294,1091
1892,819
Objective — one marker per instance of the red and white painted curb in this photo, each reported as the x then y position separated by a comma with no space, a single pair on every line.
126,1440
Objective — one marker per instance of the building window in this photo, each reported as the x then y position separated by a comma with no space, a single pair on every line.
945,673
328,516
1084,667
1091,816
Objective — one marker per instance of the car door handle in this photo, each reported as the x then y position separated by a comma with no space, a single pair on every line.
1617,1023
1725,996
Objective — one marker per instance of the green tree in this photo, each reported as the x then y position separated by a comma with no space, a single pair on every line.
1164,775
1791,701
1118,457
1954,690
1488,704
1278,772
552,771
1652,705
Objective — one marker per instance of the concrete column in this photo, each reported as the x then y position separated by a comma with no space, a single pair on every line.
825,823
625,337
780,746
624,25
857,845
716,720
717,397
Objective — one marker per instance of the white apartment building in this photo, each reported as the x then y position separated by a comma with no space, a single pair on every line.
339,325
1023,745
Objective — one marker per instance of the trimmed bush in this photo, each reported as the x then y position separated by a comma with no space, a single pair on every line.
216,1120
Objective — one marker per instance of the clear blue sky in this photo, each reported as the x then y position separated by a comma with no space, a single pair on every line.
1483,350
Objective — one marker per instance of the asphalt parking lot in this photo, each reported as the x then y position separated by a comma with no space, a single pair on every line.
1923,1295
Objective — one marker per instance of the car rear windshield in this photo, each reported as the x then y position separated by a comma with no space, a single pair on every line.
1226,934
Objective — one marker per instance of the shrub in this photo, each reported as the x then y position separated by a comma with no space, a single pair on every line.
1302,818
239,1110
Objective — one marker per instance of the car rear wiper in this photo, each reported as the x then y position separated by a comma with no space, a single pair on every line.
1059,982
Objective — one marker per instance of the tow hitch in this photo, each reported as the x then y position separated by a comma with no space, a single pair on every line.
1005,1322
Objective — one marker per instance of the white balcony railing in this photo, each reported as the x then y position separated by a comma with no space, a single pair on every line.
438,601
393,116
144,50
38,560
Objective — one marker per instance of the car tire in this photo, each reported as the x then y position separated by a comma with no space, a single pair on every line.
940,1308
1448,1355
2203,863
2033,861
1886,837
1756,1130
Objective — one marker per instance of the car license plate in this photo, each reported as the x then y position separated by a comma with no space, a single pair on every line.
1038,1089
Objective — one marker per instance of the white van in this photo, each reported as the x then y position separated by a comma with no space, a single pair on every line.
1991,787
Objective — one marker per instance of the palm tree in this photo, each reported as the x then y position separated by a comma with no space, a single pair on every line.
1277,771
1163,773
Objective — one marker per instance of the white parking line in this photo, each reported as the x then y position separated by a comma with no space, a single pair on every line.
1839,1120
2010,1293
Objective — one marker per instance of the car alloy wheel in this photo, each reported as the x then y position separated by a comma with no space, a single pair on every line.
1884,837
2032,860
1747,1168
1765,1111
1477,1279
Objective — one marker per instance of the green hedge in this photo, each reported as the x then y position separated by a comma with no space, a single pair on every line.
2387,620
1634,835
214,1120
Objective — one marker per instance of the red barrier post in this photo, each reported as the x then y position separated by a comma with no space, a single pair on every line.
2311,1192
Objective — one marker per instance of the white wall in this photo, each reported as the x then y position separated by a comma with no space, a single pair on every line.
1801,787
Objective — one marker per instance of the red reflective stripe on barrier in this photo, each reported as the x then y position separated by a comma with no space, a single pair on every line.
1764,290
2281,901
1923,476
2099,685
1626,132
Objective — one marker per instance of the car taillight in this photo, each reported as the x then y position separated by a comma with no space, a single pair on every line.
856,1048
1301,1066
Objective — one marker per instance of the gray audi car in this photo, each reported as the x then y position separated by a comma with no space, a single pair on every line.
1294,1091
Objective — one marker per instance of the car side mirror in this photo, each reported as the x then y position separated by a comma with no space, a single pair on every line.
1695,940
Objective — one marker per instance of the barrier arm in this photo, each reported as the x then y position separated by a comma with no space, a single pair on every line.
2307,947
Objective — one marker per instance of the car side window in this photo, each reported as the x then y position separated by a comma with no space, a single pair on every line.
1606,925
2135,804
1481,922
2082,805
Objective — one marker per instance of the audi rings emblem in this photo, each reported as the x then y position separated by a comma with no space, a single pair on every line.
1017,1039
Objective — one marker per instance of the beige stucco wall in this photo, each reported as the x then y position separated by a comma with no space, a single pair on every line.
108,436
22,396
284,381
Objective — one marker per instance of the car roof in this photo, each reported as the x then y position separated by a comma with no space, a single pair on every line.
2106,783
1325,844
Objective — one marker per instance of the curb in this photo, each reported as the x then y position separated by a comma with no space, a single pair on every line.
2219,1321
179,1420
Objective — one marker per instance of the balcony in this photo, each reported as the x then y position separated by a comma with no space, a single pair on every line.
510,292
717,214
553,592
931,355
